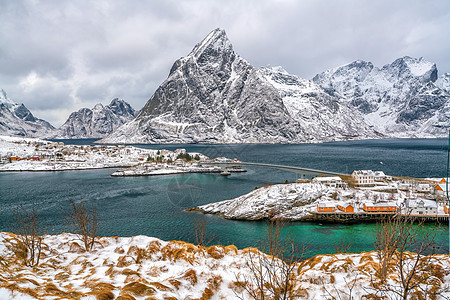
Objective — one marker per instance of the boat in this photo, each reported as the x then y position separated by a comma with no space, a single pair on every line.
225,173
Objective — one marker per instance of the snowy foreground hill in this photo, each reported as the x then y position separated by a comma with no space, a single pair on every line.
143,267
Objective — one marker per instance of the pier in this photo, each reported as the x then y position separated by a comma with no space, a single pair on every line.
361,217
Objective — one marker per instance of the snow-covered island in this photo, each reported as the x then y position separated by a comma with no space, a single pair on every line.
331,199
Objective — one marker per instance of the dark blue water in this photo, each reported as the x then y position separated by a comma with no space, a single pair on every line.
154,205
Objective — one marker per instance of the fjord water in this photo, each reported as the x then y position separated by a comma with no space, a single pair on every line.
155,205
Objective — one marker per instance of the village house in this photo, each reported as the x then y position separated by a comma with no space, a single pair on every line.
435,181
346,207
379,176
380,207
440,189
326,206
364,177
424,188
421,207
331,181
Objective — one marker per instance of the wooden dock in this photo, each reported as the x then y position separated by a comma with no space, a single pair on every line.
369,217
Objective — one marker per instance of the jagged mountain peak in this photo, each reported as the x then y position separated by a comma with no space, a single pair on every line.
98,107
215,96
96,122
4,98
216,40
16,119
400,99
407,66
214,51
443,82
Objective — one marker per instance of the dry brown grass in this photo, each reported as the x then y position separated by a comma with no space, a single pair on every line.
191,277
119,250
175,283
76,248
102,294
366,257
154,247
160,286
207,294
125,297
62,276
51,290
311,263
216,252
137,289
124,261
231,250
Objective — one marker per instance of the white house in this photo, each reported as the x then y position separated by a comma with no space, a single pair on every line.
379,176
331,181
424,188
364,177
421,207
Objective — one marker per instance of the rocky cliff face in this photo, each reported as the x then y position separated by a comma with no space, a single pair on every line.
97,122
214,96
402,99
17,120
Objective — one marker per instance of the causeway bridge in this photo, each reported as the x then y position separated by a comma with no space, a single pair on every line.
302,171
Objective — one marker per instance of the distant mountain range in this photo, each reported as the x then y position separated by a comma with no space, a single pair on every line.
402,99
97,122
16,119
215,96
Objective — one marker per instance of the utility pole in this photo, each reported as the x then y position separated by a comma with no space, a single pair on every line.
446,187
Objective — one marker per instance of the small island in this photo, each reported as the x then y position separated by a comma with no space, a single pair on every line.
364,196
30,154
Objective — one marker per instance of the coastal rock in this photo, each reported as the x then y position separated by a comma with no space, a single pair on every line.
215,96
97,122
17,120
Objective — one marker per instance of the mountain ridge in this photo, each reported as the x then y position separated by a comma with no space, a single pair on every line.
16,119
96,122
213,95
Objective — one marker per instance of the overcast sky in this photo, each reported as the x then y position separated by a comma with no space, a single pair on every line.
59,56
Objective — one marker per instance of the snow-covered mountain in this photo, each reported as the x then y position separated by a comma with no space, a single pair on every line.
402,99
215,96
17,120
97,122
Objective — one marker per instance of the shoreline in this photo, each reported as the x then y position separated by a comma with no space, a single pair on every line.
330,218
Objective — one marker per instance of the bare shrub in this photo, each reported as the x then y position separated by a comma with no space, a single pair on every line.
271,271
202,237
85,223
342,246
405,258
27,245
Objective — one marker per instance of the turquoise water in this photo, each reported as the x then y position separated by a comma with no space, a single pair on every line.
154,205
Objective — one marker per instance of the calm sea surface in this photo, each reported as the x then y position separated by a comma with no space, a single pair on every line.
154,205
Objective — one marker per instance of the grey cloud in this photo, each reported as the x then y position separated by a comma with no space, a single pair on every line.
86,52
